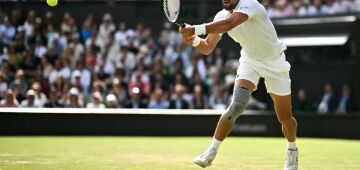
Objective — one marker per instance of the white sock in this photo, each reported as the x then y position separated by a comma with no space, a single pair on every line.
292,145
215,143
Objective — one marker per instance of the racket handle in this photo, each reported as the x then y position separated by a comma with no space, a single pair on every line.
181,23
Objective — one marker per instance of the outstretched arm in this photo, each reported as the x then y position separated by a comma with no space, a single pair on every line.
218,27
206,45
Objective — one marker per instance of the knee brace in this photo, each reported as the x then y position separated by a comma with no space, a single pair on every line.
238,104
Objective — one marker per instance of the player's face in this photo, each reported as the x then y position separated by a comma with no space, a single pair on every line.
229,4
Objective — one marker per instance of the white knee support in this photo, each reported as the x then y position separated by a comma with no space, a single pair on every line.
238,104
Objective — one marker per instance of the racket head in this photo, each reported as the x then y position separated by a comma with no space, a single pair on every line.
172,11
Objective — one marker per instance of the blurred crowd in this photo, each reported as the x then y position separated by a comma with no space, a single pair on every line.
293,8
107,65
330,101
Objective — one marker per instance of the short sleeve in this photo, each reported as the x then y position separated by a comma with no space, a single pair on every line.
220,16
247,8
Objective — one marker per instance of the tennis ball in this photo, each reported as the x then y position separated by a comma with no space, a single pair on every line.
52,3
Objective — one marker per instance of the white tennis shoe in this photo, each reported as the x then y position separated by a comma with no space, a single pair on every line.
291,162
206,158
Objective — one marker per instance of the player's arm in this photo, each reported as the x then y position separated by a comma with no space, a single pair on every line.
216,27
223,26
204,46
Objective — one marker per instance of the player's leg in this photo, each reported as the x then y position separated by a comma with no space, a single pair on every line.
282,105
241,95
278,86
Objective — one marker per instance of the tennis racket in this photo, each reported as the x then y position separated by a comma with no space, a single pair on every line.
172,11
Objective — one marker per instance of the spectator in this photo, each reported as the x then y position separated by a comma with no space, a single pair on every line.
178,101
10,100
49,18
96,101
20,81
3,56
13,58
126,59
45,68
85,77
40,49
30,100
219,99
140,80
8,74
334,6
59,71
102,71
120,35
29,25
302,103
197,66
306,9
199,100
282,8
106,27
7,31
3,86
53,101
111,101
77,48
168,35
40,97
119,90
346,102
321,9
89,26
74,99
51,55
157,100
159,82
109,56
20,43
18,91
30,64
136,101
328,102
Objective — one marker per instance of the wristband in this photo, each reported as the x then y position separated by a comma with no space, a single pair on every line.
196,41
200,29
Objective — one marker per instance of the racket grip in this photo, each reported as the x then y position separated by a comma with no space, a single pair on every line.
182,24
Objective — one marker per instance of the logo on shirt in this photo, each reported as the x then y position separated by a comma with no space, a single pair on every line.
244,7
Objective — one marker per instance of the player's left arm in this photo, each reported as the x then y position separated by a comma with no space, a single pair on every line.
223,26
219,27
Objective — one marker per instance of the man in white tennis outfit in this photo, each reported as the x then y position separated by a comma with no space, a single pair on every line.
262,55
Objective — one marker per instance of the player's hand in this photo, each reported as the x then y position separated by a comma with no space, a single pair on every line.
187,31
188,40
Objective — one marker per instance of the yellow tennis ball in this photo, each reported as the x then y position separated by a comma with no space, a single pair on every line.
52,3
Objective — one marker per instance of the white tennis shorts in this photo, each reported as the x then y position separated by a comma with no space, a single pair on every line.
275,72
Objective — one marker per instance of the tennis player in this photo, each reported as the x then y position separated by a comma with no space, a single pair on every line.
262,55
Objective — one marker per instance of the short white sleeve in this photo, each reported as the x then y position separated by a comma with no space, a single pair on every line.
247,7
220,16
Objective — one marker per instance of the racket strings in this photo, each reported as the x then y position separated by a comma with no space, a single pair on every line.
172,9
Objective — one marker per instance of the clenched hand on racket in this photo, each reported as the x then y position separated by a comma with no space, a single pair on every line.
187,31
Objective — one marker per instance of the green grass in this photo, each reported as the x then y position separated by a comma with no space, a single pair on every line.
171,153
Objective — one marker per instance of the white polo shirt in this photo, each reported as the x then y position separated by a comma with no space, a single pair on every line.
257,35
